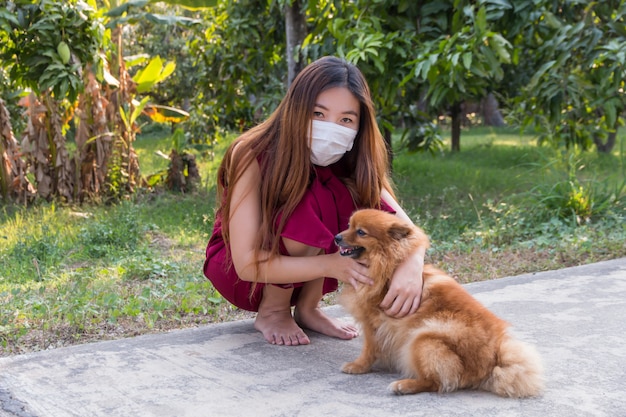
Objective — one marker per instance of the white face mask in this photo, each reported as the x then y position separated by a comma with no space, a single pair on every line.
329,142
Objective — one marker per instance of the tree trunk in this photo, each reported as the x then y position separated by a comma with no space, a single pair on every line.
13,180
62,165
7,152
295,24
93,139
491,111
44,150
607,147
456,127
123,175
176,179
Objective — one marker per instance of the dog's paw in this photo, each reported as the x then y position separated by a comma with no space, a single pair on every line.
402,387
395,388
413,386
354,368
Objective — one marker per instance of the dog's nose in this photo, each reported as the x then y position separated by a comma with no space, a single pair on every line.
338,238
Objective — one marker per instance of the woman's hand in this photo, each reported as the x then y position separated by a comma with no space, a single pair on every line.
348,270
405,290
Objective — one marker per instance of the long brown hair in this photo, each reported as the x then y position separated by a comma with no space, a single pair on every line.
281,146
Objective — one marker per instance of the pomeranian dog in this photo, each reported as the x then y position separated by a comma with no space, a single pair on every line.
451,342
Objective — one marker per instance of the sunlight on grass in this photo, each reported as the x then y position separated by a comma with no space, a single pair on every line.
491,136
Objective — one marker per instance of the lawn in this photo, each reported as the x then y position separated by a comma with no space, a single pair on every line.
500,207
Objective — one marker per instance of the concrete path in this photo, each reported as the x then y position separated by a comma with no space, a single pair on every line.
575,316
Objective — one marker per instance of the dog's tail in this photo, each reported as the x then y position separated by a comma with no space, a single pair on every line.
518,373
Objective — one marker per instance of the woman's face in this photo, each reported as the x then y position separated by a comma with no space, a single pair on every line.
337,105
334,125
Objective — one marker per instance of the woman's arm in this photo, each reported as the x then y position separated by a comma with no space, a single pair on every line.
244,226
405,291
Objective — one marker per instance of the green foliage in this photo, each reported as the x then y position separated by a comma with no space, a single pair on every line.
426,135
378,37
461,55
101,269
148,37
575,196
191,4
566,58
45,44
37,249
241,69
153,73
110,236
420,58
500,194
38,254
10,92
134,11
575,97
181,144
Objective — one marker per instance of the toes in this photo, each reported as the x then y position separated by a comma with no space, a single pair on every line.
349,332
281,329
303,339
276,340
296,339
352,331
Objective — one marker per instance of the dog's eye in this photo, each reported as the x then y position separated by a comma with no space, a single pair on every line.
361,232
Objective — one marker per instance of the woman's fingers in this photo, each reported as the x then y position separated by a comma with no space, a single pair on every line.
352,272
362,274
401,302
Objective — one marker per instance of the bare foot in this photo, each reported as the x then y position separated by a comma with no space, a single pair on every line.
280,328
315,319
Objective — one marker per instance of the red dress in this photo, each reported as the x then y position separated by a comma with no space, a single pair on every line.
323,212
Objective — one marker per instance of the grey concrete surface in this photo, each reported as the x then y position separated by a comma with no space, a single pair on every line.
576,317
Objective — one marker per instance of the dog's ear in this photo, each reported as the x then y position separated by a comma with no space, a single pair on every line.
399,231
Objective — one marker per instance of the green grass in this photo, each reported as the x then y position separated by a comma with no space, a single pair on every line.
500,207
147,144
503,200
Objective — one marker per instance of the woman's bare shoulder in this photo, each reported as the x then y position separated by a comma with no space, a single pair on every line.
243,158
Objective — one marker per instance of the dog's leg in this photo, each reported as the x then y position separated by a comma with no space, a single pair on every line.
435,365
369,354
413,386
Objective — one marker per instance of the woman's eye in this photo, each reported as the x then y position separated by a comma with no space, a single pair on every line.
318,115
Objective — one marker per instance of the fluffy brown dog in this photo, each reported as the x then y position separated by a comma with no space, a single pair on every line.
452,342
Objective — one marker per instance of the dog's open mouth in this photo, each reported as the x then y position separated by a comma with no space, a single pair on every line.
351,251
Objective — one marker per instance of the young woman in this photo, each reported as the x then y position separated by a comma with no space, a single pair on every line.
286,187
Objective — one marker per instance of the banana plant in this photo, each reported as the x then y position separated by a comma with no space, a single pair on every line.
144,80
44,46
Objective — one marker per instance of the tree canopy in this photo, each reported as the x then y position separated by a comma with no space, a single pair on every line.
98,67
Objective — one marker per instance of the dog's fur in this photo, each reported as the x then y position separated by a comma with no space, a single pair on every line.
452,342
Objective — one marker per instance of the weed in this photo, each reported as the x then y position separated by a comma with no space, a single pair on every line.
578,196
107,234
